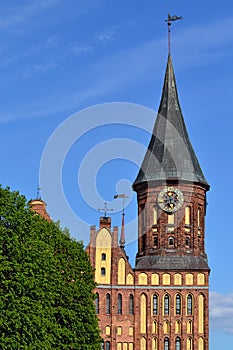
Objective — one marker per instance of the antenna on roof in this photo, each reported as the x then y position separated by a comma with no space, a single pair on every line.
169,21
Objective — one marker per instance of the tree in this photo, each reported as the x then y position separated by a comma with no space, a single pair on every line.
46,283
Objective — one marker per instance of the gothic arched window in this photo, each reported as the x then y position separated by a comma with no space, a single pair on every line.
119,305
166,304
155,304
97,303
103,271
131,304
166,344
171,242
189,304
103,256
178,304
108,304
177,343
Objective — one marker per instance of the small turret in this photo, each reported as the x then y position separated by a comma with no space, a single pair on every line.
39,206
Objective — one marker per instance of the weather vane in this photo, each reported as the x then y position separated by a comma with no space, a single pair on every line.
122,238
38,194
105,209
124,197
169,21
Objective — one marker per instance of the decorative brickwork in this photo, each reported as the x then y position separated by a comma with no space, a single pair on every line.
162,303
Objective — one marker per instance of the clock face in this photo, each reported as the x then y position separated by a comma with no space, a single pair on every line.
170,199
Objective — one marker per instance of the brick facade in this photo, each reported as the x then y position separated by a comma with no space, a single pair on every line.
163,302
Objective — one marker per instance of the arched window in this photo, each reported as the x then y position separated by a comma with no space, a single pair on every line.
154,327
143,344
187,215
103,256
107,345
155,343
108,304
156,242
171,242
189,304
177,343
143,314
177,327
97,303
178,304
190,344
166,344
103,271
189,327
187,242
166,327
119,307
102,345
166,304
155,304
131,304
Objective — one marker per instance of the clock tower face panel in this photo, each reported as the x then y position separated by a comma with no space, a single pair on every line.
170,199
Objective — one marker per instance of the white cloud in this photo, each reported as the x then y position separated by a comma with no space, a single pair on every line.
221,312
22,12
82,49
106,37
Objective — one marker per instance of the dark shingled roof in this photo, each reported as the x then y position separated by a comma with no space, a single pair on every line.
170,154
167,262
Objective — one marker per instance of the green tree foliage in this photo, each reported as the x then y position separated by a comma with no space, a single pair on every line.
46,283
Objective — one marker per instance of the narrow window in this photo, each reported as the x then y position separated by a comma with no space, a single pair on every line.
156,241
166,304
155,304
170,219
199,217
131,304
177,343
143,215
143,242
155,216
189,304
171,242
189,327
187,242
108,304
103,256
189,344
187,215
107,347
166,344
178,304
102,345
97,303
119,309
103,271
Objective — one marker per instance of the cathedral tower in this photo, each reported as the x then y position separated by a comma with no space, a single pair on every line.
162,303
171,194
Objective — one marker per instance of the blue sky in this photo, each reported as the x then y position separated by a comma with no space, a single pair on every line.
60,57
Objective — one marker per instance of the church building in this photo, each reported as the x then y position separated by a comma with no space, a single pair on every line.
163,302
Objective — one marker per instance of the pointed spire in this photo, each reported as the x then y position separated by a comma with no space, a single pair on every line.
170,154
122,238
